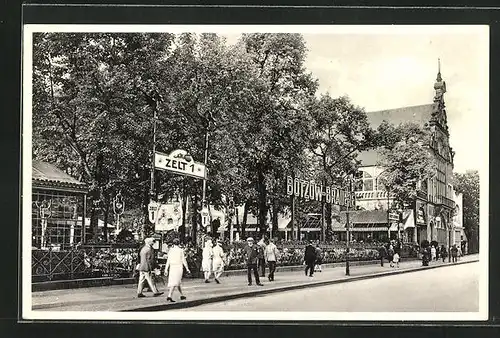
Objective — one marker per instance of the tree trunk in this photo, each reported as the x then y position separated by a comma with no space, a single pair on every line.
94,215
106,216
328,221
262,203
244,224
275,218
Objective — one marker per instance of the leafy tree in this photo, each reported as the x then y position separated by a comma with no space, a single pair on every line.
276,129
406,156
468,185
340,130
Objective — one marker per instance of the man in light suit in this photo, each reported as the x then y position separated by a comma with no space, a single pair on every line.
146,265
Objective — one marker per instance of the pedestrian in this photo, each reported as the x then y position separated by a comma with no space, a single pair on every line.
433,253
252,253
395,259
459,251
218,261
310,258
271,256
390,255
444,253
146,265
206,262
174,268
262,260
382,252
454,253
319,258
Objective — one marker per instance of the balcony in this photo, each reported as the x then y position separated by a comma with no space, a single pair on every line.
422,194
442,200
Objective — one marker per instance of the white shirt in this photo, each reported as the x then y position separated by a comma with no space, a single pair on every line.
176,256
218,253
270,252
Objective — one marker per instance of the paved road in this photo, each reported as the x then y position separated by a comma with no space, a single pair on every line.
447,289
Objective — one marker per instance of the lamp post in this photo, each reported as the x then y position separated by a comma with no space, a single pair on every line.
348,226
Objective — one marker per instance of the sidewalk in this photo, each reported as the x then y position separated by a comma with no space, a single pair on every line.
123,297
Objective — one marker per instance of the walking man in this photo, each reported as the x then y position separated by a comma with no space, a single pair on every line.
252,253
271,256
218,261
310,259
382,252
454,253
146,265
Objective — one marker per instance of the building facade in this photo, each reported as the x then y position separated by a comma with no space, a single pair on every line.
433,215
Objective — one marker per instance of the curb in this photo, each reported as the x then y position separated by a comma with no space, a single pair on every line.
109,281
222,298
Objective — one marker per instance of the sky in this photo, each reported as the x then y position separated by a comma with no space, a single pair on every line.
397,67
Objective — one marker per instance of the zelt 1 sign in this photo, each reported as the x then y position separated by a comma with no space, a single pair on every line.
179,162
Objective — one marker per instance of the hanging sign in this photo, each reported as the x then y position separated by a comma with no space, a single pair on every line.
152,211
178,161
393,216
169,217
310,191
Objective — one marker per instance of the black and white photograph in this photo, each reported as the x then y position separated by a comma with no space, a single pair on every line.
247,172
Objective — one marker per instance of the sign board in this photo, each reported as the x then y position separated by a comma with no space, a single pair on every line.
152,211
393,216
205,217
180,163
169,217
311,191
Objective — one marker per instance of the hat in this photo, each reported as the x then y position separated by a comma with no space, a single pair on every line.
176,241
149,241
219,240
250,239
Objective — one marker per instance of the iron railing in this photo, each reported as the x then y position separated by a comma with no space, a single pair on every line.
83,262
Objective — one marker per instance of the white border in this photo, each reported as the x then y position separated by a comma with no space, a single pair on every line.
28,313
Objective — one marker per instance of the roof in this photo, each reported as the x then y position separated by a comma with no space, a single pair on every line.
46,175
416,114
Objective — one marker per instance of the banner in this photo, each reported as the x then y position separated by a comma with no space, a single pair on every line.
311,191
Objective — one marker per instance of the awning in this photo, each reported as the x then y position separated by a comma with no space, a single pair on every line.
310,229
374,229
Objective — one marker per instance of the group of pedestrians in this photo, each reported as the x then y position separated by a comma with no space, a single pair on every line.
174,269
391,253
257,256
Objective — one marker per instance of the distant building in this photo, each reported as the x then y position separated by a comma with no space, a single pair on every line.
431,216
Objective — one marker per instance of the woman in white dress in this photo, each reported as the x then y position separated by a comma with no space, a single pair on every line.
206,262
176,262
218,261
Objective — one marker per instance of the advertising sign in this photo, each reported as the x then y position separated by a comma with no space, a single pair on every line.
393,216
152,211
308,190
169,217
181,163
420,212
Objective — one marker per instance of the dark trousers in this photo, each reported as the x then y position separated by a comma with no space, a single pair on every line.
310,267
272,269
250,268
381,261
262,267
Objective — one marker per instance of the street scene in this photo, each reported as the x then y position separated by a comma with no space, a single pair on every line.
243,171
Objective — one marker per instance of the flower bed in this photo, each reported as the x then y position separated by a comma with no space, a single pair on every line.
292,253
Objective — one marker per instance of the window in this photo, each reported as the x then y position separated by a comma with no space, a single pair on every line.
367,182
55,219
